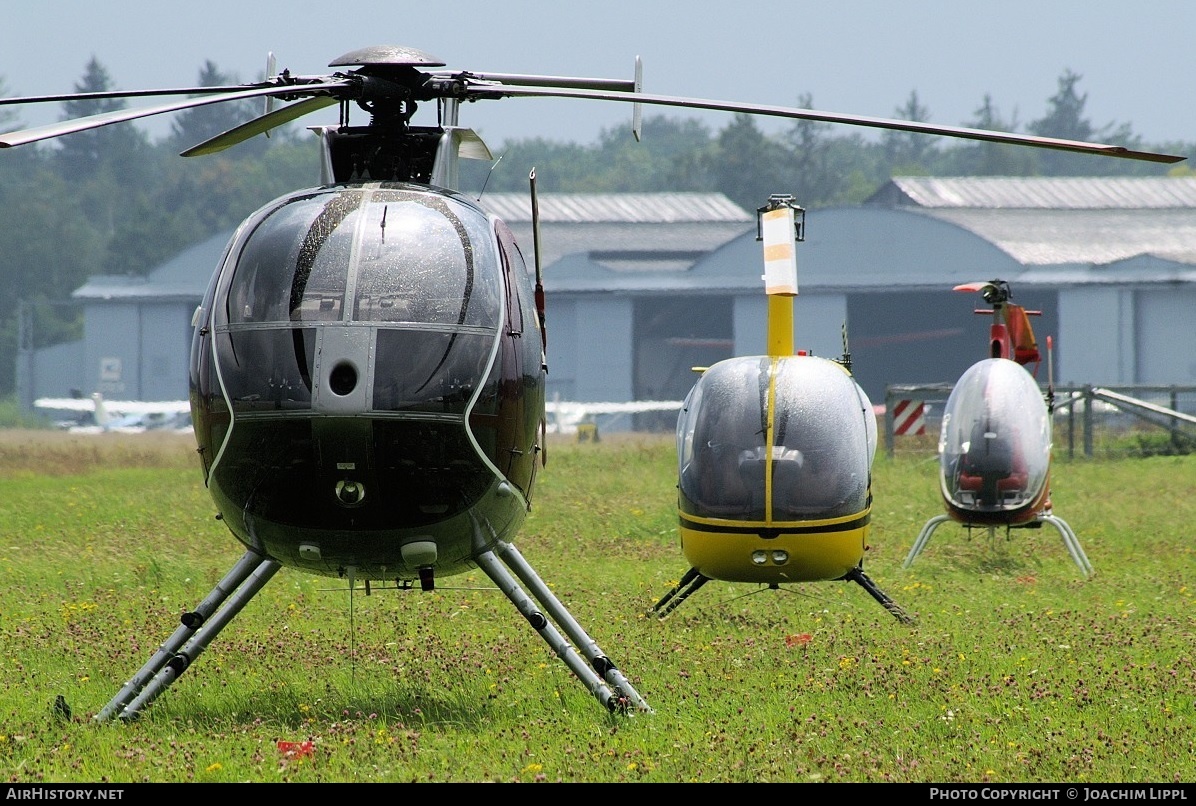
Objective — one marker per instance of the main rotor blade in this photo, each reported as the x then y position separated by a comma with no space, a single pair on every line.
95,96
1078,146
259,125
51,130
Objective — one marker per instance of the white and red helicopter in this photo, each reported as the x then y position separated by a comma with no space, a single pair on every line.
995,440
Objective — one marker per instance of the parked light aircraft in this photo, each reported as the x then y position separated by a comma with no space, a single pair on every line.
99,416
368,367
565,416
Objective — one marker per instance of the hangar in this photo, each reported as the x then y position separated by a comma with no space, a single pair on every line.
641,288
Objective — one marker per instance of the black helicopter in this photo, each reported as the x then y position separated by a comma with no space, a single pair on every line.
368,363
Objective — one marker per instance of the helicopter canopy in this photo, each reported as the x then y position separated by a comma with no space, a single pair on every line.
801,450
995,444
402,265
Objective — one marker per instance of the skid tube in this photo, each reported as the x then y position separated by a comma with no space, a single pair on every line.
199,627
1070,540
678,593
193,635
693,580
595,670
857,575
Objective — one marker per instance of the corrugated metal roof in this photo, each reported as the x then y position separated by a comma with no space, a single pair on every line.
621,208
1039,193
562,238
1046,237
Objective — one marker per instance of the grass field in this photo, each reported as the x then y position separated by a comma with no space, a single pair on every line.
1018,670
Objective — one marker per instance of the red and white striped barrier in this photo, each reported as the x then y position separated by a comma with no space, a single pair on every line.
909,417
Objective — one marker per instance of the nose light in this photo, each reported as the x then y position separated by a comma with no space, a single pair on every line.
343,378
350,493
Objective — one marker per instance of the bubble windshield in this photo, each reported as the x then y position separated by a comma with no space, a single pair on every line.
995,443
817,463
406,274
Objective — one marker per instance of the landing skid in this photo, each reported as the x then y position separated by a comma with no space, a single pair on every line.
679,593
1065,531
253,571
601,676
857,575
694,580
197,630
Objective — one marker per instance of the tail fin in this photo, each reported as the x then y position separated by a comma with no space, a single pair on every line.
101,413
1025,346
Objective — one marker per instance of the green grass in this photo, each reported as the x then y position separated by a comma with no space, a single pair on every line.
1019,669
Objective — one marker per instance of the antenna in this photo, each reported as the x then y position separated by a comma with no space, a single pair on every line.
536,248
637,110
271,64
1050,396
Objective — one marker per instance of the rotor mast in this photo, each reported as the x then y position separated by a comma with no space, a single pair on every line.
780,224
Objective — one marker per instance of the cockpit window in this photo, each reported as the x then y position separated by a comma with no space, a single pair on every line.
994,447
826,445
816,464
418,262
281,279
375,255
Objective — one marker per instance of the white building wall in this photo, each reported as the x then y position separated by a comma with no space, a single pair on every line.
749,323
49,372
112,346
817,324
1166,336
603,350
818,321
1096,337
137,350
165,351
560,324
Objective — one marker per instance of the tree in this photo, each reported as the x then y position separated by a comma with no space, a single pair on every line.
1065,119
824,172
81,155
9,121
193,126
1065,115
668,157
746,165
991,159
44,255
909,152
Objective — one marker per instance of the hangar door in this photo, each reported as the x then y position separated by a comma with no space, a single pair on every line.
671,336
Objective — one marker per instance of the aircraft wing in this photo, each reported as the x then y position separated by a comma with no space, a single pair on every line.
132,416
565,415
115,407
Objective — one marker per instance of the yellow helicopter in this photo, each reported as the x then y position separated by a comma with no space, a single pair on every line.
775,453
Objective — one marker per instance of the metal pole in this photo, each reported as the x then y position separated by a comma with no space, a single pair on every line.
889,446
1088,401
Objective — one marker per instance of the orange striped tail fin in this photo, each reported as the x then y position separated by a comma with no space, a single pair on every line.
1025,346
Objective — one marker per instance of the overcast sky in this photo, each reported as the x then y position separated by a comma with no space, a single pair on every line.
862,57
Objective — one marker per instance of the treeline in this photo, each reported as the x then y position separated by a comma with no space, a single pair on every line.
111,201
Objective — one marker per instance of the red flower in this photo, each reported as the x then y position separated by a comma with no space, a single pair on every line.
296,749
